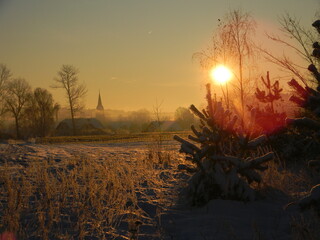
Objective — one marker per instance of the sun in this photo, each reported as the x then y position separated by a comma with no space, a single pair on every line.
221,74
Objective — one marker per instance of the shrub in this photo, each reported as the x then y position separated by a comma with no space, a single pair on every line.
226,163
309,99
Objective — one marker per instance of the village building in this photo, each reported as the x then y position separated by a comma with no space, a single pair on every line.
84,126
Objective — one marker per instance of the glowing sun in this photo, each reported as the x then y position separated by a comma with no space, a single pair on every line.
221,74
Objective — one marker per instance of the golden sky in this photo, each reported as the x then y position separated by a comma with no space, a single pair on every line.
136,52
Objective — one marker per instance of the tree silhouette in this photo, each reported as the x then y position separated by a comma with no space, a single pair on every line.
18,93
5,75
224,163
268,118
303,39
309,99
41,112
74,91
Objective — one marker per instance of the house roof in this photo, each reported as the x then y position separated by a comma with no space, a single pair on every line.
80,122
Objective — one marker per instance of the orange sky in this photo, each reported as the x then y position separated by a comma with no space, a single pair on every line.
135,52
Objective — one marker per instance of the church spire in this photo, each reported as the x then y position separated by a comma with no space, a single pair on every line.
99,106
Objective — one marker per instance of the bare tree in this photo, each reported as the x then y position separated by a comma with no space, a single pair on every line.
68,80
233,45
296,39
41,112
240,29
18,93
5,75
157,115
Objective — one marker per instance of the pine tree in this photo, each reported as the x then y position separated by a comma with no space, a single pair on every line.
309,99
223,155
267,118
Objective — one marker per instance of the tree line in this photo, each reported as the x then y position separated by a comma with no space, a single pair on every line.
35,111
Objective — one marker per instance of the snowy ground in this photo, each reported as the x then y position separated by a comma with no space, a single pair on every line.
219,219
62,151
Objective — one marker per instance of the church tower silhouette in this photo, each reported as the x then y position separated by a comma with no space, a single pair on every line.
100,110
100,106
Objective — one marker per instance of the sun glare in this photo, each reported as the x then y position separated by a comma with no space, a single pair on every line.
221,74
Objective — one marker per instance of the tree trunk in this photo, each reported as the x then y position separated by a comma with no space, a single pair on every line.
72,117
17,127
241,90
73,123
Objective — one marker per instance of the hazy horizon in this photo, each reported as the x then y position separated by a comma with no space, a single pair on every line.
134,52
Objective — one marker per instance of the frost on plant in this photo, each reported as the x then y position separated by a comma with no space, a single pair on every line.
224,156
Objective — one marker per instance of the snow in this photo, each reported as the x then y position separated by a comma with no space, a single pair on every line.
224,219
219,219
64,151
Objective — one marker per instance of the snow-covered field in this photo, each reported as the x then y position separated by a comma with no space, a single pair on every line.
166,217
23,151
